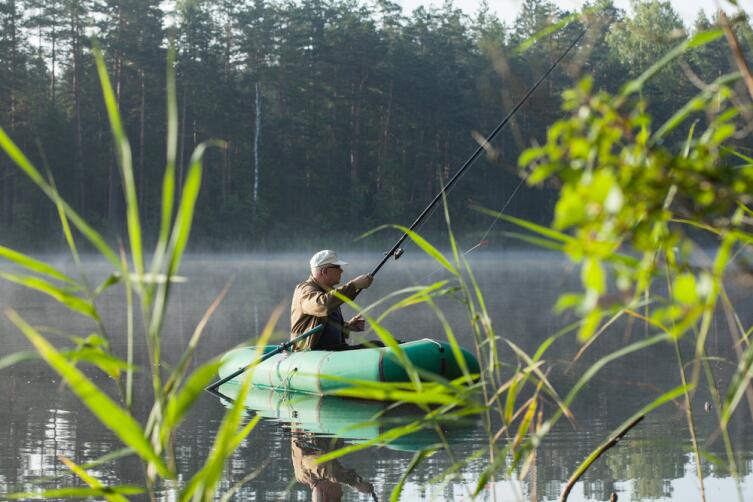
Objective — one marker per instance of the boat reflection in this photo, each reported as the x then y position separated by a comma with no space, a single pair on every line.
355,421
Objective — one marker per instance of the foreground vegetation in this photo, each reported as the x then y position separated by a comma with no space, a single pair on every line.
628,193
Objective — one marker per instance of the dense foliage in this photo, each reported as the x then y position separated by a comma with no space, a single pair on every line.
338,115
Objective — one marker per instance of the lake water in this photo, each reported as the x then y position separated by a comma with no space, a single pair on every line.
40,420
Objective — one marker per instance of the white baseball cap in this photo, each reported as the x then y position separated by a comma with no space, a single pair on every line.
325,257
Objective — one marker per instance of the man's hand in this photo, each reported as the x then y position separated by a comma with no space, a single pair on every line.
363,281
357,324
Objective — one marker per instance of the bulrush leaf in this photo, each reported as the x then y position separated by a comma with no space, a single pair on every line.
73,302
106,410
124,163
59,493
427,248
202,485
415,462
28,168
92,481
33,265
179,404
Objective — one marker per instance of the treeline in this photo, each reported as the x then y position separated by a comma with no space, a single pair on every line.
338,115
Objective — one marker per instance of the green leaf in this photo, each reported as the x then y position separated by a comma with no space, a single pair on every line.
17,357
76,492
533,227
704,37
34,265
593,276
567,301
91,480
28,168
589,325
430,250
415,462
75,303
124,163
179,404
203,484
108,363
106,410
684,289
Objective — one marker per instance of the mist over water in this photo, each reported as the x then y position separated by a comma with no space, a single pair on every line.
42,420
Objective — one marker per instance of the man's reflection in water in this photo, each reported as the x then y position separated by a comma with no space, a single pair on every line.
325,479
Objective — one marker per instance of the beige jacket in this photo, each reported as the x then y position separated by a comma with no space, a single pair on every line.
306,450
310,307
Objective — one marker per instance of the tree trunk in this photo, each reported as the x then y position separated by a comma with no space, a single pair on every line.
182,139
355,138
78,154
257,145
8,183
142,127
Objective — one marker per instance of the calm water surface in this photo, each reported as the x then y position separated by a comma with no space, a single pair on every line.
41,420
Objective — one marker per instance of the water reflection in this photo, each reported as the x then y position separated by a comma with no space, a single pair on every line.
353,420
325,479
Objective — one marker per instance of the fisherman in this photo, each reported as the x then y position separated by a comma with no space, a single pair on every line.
315,303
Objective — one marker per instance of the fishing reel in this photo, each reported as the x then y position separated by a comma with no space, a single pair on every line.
398,253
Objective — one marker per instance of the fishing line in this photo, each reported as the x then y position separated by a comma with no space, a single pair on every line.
396,251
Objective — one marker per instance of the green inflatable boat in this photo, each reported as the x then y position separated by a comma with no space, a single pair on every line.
353,420
307,371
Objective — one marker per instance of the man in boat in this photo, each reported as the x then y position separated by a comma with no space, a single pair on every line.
315,303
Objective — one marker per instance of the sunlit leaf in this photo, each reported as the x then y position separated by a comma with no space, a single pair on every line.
73,302
106,410
92,481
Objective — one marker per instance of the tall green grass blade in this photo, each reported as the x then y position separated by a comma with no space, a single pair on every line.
387,339
75,303
415,462
105,409
108,363
184,217
179,404
563,405
177,374
536,241
738,385
418,296
28,168
203,484
550,28
92,481
533,227
59,493
698,40
115,455
123,149
696,104
16,358
430,250
457,353
168,180
33,265
111,280
618,432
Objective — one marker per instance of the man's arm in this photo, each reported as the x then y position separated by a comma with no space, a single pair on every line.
320,303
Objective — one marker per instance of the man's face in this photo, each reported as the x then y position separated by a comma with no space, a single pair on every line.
331,275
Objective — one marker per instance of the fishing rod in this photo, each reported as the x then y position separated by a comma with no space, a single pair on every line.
396,250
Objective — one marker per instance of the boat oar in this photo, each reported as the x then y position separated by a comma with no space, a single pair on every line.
282,347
